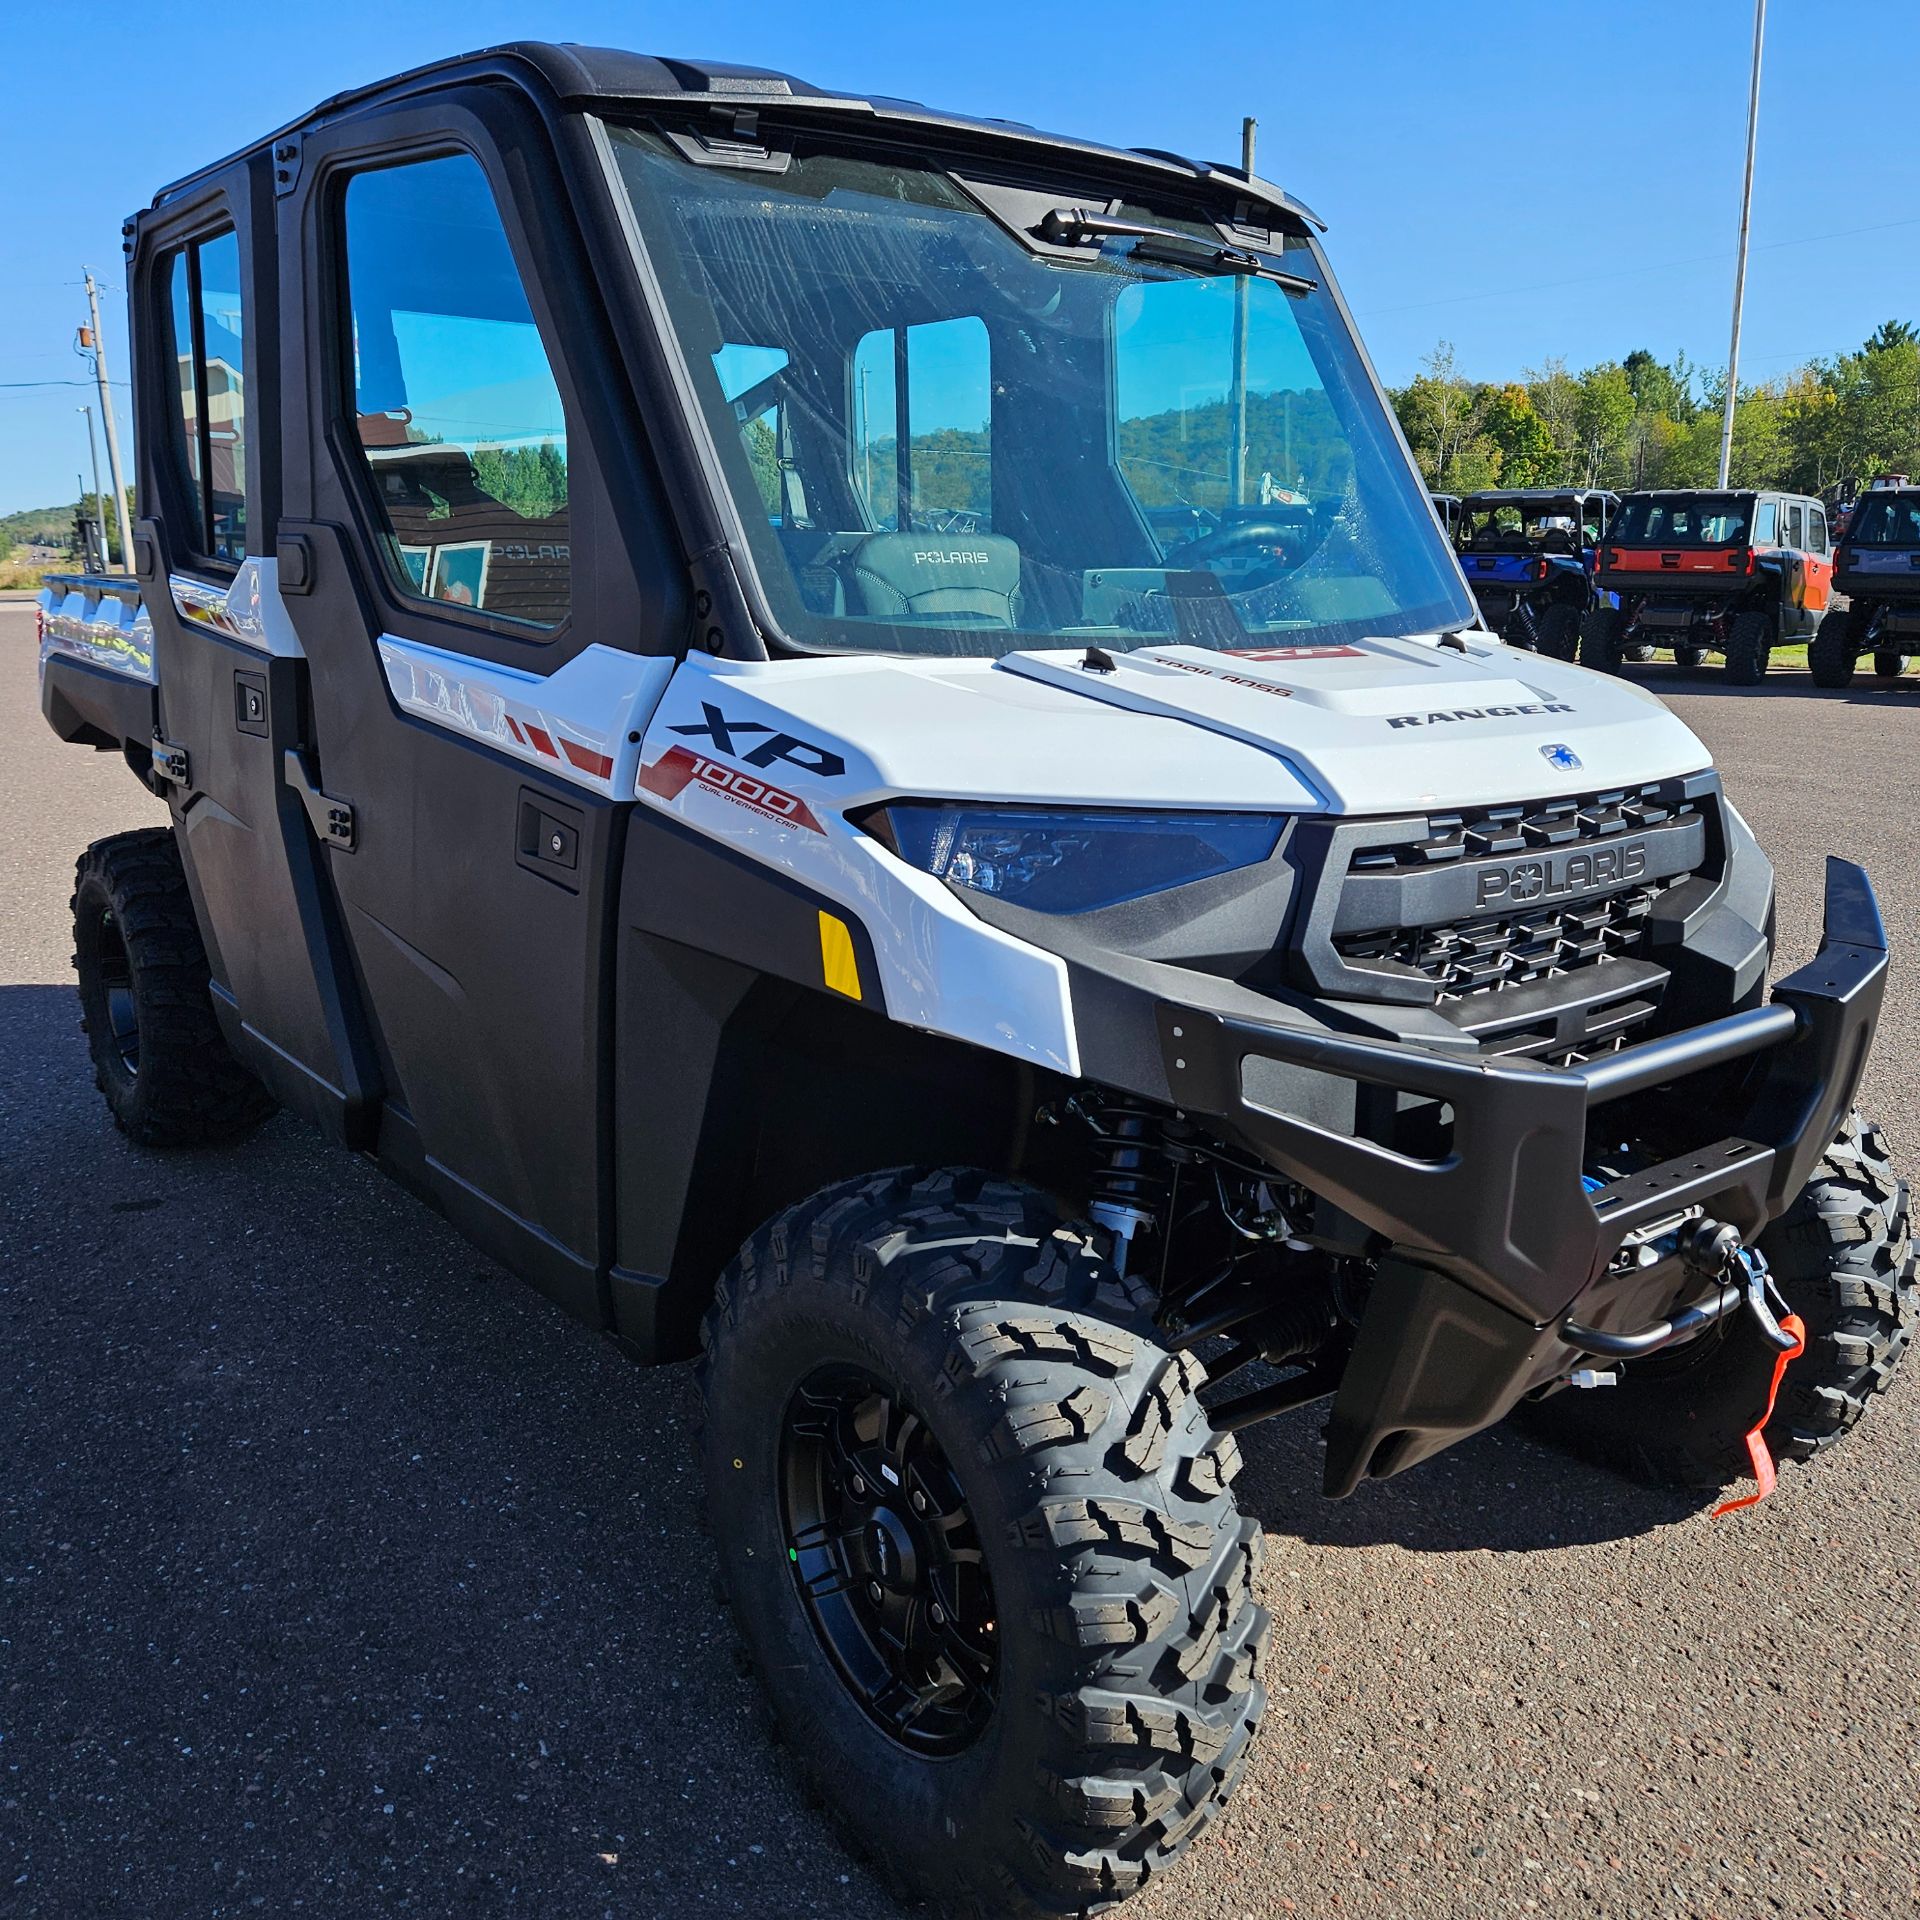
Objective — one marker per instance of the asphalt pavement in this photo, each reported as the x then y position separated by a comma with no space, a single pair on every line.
341,1575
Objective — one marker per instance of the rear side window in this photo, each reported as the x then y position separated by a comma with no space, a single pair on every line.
1796,524
930,433
453,408
1817,529
207,395
1766,521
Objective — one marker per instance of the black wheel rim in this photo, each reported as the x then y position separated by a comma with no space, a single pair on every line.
115,972
886,1561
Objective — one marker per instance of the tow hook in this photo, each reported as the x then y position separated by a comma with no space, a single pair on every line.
1761,1294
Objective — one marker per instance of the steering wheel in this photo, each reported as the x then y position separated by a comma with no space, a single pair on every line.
1242,537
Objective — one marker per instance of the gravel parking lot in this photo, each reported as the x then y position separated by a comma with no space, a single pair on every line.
343,1576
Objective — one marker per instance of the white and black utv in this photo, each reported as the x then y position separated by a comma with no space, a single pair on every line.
847,734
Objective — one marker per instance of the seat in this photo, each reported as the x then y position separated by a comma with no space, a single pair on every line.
970,579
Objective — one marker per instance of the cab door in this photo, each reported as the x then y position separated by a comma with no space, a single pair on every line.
232,695
476,560
1819,562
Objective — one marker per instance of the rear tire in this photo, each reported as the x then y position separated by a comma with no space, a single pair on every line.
1600,640
159,1057
1560,633
1120,1631
1843,1258
1750,644
1833,650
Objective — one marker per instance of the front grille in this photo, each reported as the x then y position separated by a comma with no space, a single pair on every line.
1530,970
1470,834
1475,956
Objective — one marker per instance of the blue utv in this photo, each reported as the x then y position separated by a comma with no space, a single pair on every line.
1527,553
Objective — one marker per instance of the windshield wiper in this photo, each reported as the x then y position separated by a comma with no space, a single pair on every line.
1064,226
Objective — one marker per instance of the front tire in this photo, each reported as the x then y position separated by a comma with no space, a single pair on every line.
1843,1259
1750,644
1101,1610
159,1057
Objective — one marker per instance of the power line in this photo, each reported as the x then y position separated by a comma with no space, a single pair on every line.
16,386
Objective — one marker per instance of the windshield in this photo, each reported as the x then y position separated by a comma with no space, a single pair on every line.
1681,520
1886,520
947,439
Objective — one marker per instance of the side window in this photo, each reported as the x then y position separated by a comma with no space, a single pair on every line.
1766,523
1796,524
927,389
453,404
1817,529
207,410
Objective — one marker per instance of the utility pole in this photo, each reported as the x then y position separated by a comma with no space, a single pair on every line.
1740,267
113,435
1237,470
99,501
89,527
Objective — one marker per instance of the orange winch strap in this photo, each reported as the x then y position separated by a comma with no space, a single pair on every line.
1757,1453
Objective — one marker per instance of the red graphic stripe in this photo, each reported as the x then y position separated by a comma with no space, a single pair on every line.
680,767
542,740
588,759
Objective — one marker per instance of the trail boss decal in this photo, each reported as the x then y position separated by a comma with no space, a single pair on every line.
1216,673
1476,713
680,767
1555,876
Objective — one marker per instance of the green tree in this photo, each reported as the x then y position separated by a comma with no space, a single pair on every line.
1520,436
1603,411
1892,333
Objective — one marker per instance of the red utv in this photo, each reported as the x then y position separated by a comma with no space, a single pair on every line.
1735,573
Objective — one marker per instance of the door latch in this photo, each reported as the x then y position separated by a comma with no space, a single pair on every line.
169,762
332,819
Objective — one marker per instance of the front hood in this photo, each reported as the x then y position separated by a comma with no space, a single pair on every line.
1383,725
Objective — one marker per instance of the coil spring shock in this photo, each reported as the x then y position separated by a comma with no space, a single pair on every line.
1130,1178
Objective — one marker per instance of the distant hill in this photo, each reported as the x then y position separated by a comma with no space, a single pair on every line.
36,526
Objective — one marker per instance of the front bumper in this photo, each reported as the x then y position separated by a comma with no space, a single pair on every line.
1499,1244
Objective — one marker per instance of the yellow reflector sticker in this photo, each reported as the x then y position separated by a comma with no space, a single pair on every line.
836,956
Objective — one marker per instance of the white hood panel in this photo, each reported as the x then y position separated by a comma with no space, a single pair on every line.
1384,726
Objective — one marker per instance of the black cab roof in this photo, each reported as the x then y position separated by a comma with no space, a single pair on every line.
569,75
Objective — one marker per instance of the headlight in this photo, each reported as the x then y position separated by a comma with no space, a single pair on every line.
1070,859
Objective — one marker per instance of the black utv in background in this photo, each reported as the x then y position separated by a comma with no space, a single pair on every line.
1736,573
1527,553
1877,569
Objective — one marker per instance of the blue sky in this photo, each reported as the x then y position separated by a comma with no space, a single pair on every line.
1521,179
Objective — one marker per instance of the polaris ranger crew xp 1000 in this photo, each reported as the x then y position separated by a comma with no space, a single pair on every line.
734,716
